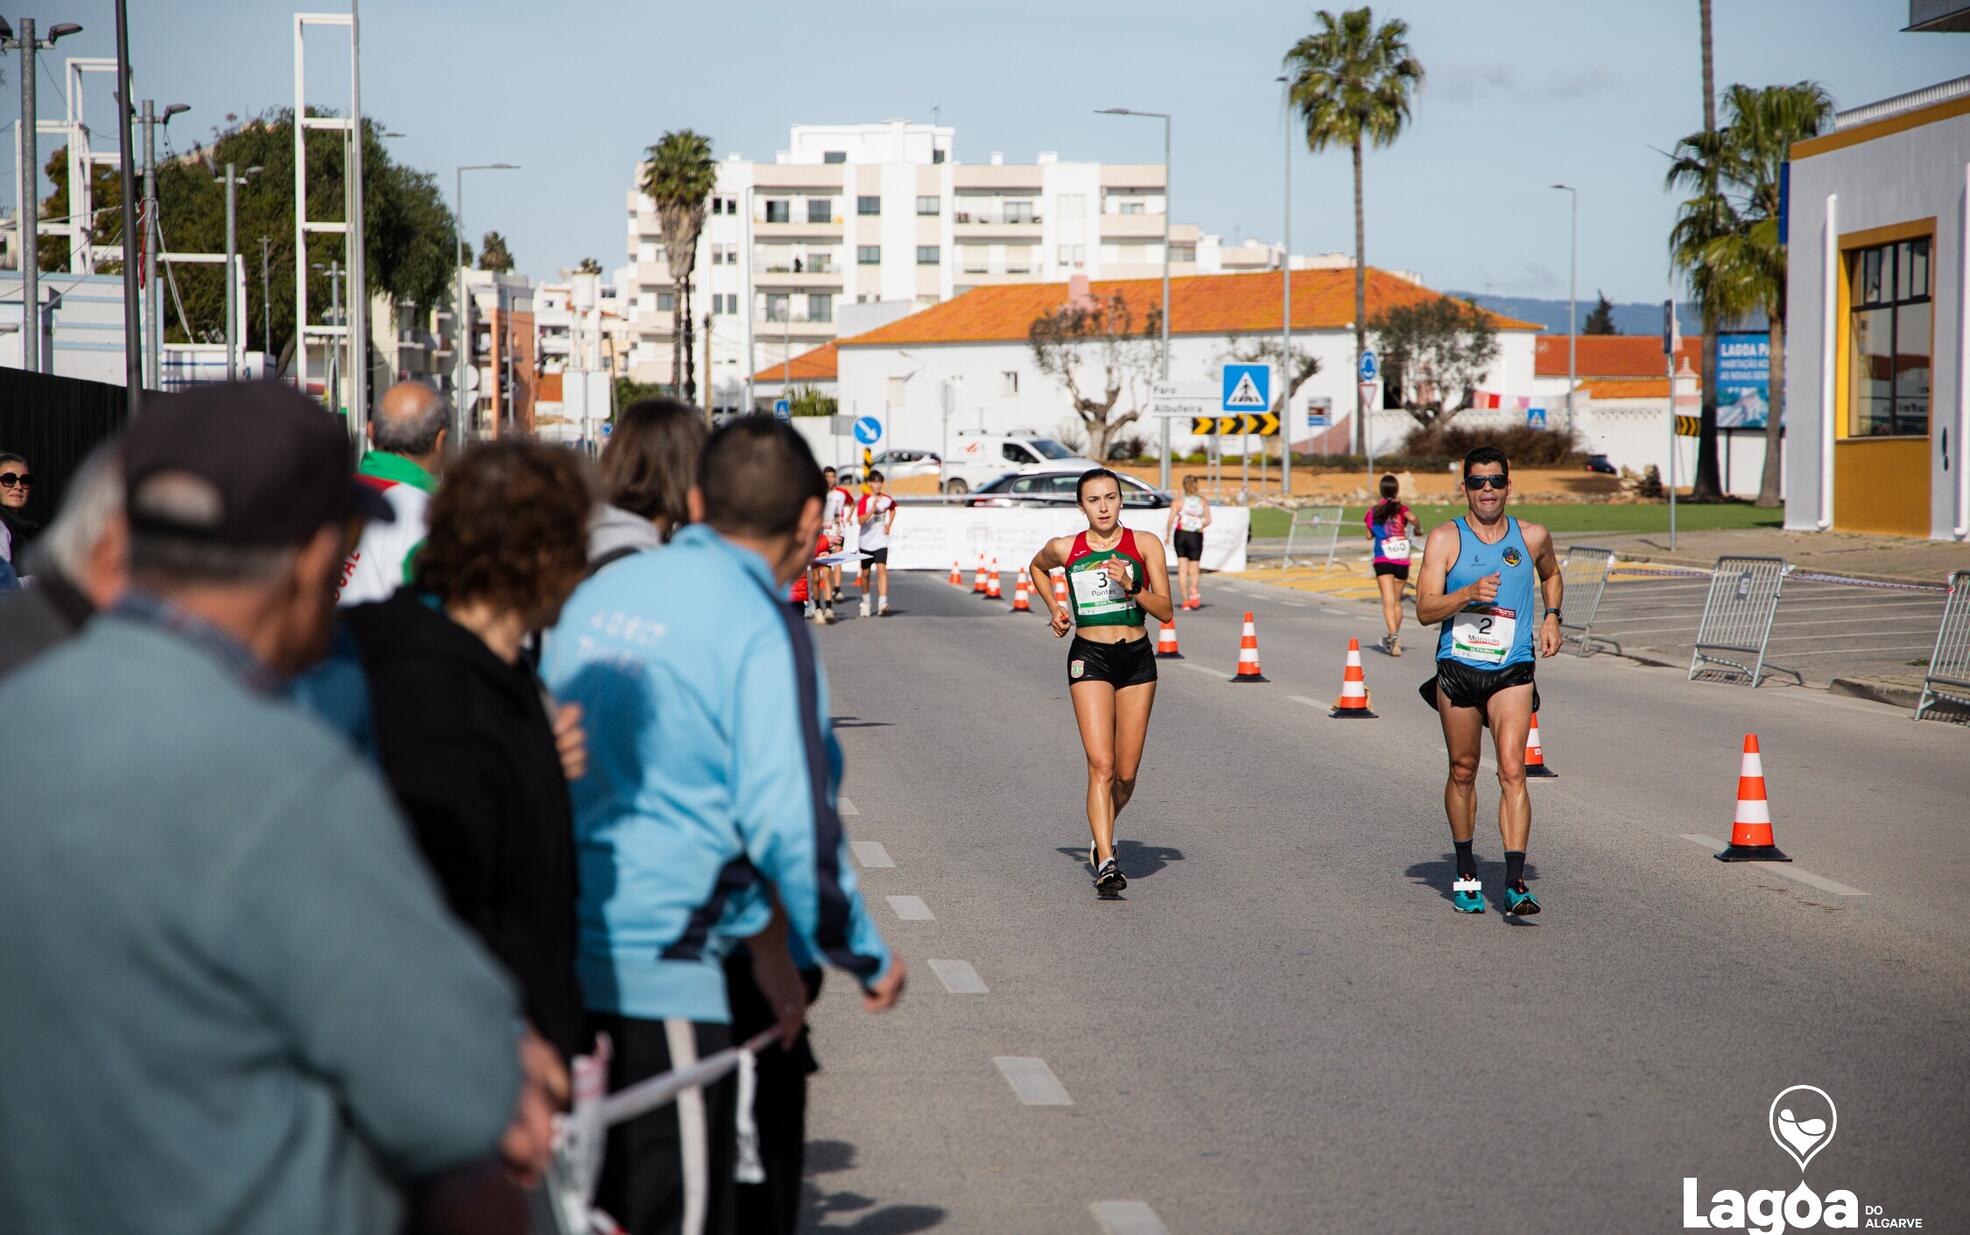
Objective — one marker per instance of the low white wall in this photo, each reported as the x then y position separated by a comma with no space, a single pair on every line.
932,537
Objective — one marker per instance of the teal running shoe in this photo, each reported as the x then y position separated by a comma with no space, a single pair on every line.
1467,896
1519,901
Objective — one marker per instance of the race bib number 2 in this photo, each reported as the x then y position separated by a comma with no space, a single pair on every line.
1484,634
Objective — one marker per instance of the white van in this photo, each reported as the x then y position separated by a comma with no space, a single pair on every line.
980,458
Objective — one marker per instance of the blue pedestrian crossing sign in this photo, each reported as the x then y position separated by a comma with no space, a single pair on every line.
1247,388
868,430
1535,417
782,409
1370,370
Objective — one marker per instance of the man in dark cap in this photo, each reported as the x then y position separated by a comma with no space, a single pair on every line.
234,1000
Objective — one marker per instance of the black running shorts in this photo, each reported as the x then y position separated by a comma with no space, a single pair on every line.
1118,664
1189,545
877,557
1467,687
1398,570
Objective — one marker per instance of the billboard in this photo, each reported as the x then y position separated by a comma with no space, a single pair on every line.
1743,379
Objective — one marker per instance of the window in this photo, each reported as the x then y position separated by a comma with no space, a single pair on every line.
868,205
1073,254
1130,206
937,156
1183,252
1019,212
1051,449
722,303
975,258
1009,382
778,210
718,205
927,255
927,205
666,302
777,306
1888,360
1016,454
868,255
834,156
820,307
820,210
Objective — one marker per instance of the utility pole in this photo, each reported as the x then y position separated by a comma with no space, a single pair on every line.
133,360
233,180
333,354
153,242
1572,295
708,373
266,303
30,181
355,332
1286,314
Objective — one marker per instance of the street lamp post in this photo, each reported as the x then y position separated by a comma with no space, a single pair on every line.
233,180
267,302
1286,311
30,182
461,311
153,240
1164,474
1572,268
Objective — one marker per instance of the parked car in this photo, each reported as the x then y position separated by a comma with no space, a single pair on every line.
894,465
981,458
1054,487
1599,463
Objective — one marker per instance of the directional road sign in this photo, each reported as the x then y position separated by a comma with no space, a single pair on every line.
1184,399
868,430
1370,371
1689,426
1319,412
1247,388
1258,424
783,409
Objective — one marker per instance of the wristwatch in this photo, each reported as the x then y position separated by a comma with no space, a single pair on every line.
1555,613
1134,586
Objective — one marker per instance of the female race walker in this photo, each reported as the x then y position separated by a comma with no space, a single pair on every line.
1114,577
1188,519
1391,526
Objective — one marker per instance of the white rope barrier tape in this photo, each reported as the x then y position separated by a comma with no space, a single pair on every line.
1792,573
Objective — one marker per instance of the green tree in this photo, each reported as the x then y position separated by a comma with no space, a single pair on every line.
1601,320
1099,335
1727,241
494,255
807,401
1434,353
589,266
678,176
1351,81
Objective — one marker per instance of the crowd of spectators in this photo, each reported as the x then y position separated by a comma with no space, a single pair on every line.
312,906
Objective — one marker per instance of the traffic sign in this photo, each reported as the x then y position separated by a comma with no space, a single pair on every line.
1319,412
1689,426
868,430
1247,388
1184,399
783,409
1370,371
1535,417
1258,424
608,427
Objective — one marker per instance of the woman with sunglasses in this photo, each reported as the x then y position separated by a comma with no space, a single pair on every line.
1478,580
16,529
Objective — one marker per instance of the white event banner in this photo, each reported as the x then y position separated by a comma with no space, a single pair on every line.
932,537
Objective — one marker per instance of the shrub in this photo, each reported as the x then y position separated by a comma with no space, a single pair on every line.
1125,446
1435,446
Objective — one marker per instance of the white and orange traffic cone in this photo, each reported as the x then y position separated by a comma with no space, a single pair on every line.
957,575
1060,587
1166,643
1535,757
1248,653
1751,830
978,580
1353,703
1020,604
992,587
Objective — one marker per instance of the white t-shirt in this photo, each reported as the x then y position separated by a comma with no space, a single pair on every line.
376,568
1190,514
872,511
835,514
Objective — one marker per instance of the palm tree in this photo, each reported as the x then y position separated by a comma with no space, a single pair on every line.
1351,81
678,176
589,266
1727,240
1707,483
493,253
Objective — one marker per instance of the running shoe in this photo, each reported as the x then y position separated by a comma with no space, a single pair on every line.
1108,881
865,606
1395,646
1519,902
1094,861
1467,896
882,610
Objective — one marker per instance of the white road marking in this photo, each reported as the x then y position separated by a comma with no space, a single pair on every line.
911,909
1032,1081
845,808
1787,869
1191,664
1294,604
1128,1218
1312,703
1337,612
870,854
959,977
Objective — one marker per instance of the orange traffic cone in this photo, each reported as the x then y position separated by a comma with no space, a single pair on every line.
978,580
957,575
1019,602
1353,703
1060,587
1166,643
1535,758
1751,831
992,589
1248,654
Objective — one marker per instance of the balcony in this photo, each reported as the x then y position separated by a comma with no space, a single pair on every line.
996,220
797,323
1132,226
796,227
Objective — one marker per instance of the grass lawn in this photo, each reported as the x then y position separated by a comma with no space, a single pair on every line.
1570,517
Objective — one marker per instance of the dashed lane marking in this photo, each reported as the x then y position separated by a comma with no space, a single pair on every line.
1312,703
845,808
1785,869
1128,1218
871,854
959,977
1191,664
911,909
1032,1081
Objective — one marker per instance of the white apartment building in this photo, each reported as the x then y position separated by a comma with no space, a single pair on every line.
868,213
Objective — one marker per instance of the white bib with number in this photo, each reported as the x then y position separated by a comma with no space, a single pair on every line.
1483,634
1395,546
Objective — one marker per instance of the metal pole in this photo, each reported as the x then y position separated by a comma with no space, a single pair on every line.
30,209
153,308
1286,324
1165,470
334,354
1671,364
232,284
1572,295
133,359
458,400
356,331
266,302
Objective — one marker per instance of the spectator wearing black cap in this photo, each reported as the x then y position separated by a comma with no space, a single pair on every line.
78,565
233,998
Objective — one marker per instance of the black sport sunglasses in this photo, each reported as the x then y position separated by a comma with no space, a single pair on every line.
1474,483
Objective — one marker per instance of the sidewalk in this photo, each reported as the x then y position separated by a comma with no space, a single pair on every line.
1896,559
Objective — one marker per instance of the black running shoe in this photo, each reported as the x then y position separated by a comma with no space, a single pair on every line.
1109,880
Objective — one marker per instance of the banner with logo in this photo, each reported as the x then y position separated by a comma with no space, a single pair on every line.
1743,379
932,537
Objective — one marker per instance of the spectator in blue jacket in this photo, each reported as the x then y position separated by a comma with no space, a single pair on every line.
708,812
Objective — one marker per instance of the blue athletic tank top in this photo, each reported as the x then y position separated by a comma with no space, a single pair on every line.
1499,634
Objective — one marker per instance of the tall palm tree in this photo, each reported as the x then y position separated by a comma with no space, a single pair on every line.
1727,240
1707,482
1351,81
679,175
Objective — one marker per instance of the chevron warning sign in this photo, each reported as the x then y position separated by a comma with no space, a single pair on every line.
1258,424
1689,426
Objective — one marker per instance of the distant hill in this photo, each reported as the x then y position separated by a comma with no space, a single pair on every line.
1628,318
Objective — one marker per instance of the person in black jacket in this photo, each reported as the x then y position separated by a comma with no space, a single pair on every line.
476,753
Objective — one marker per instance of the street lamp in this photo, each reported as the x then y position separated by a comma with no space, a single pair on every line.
1286,310
232,180
1165,118
1572,267
461,309
30,181
153,232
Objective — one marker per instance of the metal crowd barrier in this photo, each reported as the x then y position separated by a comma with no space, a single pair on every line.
1737,617
1320,527
1948,677
1584,571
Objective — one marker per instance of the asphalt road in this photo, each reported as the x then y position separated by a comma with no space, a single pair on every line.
1283,1027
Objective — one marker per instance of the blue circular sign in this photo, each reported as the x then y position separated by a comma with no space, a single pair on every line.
868,430
1369,369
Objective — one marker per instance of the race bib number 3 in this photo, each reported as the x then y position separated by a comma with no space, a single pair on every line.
1096,592
1483,634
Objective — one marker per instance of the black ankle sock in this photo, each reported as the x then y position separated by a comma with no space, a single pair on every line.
1466,860
1514,867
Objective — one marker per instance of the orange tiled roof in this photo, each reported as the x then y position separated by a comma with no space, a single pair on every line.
815,366
1625,387
1611,355
1199,304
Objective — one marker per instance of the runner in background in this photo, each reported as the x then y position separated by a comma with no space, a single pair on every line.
877,514
834,518
1114,576
1390,527
1188,519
